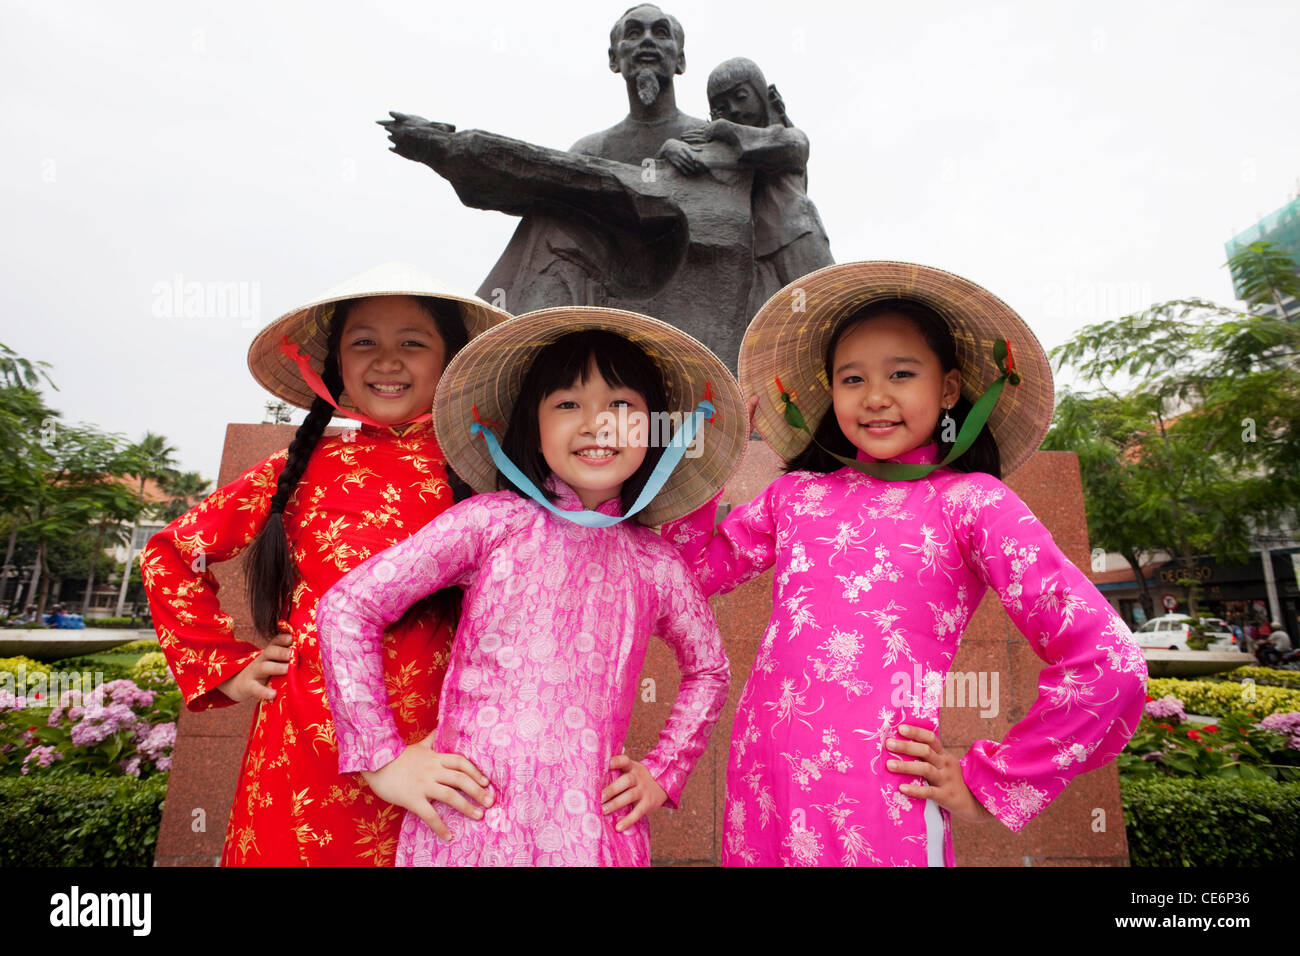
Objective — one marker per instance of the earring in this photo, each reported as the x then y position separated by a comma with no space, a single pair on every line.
948,420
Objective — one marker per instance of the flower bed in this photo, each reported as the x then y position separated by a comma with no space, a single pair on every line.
1223,794
106,729
1219,698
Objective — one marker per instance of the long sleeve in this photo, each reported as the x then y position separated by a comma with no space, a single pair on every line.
197,636
352,616
687,625
742,547
1091,692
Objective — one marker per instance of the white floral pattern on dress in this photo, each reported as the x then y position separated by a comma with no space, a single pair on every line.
855,616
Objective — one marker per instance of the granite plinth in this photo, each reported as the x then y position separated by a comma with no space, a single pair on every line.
210,744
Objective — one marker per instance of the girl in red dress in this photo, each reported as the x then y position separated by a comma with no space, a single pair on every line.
311,514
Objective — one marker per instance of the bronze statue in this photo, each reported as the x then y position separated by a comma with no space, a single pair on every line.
632,217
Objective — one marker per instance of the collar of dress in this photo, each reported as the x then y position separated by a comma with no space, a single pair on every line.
924,455
407,430
568,499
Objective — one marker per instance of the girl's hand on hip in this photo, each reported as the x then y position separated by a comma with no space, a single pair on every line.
252,680
941,769
634,786
419,776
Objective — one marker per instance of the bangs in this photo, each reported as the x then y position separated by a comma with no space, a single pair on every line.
621,364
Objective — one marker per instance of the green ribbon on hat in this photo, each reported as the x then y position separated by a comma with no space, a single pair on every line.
970,429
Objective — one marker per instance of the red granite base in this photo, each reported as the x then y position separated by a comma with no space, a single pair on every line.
210,744
1084,827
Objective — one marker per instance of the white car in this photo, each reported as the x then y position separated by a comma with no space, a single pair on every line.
1169,632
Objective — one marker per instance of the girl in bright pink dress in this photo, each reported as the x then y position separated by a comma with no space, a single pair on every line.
884,532
561,595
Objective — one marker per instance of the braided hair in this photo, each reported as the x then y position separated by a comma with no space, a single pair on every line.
270,571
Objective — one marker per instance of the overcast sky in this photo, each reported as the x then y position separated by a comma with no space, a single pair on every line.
1082,160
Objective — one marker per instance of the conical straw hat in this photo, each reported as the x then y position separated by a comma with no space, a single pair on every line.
488,373
788,337
308,326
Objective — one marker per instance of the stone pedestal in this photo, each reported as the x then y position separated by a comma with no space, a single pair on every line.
210,744
1085,826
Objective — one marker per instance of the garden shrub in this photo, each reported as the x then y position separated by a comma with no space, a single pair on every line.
1217,821
151,670
1271,676
1220,698
111,670
144,645
25,665
80,820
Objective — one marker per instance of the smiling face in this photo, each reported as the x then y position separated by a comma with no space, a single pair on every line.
888,388
593,460
391,357
646,39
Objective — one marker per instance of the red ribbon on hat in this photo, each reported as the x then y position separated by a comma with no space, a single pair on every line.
317,385
708,397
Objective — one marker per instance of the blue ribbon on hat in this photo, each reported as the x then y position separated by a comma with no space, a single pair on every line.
671,458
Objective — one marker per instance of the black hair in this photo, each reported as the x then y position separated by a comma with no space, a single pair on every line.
559,365
982,455
269,570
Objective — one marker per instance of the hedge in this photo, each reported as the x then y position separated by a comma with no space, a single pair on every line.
1272,676
80,821
1220,698
1186,821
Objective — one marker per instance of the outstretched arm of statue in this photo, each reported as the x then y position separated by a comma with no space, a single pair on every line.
490,171
417,138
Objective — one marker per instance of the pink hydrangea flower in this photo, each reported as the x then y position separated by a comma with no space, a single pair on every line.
1287,724
43,757
101,723
1165,707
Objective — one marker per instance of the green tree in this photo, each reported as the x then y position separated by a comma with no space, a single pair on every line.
1202,445
184,490
73,481
1264,275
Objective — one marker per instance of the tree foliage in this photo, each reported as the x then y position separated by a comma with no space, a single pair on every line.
63,483
1198,451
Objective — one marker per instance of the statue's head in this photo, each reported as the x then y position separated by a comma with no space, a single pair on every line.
737,91
647,43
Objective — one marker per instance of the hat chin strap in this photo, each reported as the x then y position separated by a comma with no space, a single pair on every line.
317,385
663,470
970,428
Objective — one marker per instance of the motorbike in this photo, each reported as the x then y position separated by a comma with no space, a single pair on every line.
1270,656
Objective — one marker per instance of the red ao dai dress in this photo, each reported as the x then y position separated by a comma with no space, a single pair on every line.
360,493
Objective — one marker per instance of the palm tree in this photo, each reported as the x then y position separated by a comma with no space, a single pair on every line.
184,490
151,457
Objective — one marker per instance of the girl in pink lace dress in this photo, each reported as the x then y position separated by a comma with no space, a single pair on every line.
561,597
885,532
